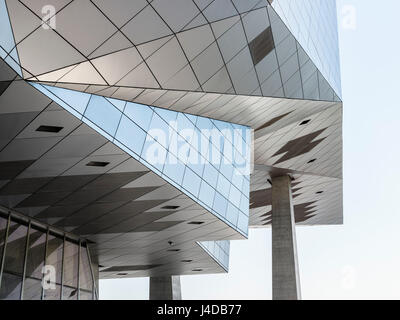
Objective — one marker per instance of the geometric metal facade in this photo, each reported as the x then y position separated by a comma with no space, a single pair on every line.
185,150
86,85
74,176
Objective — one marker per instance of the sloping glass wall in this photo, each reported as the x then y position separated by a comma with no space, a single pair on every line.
208,160
314,24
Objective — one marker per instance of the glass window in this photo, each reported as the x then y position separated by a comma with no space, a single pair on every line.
204,146
246,188
223,185
14,262
102,113
215,156
98,129
140,114
243,223
174,169
173,144
211,246
3,54
47,90
6,38
195,162
217,139
237,179
244,205
3,229
221,125
36,252
239,156
183,149
192,118
32,289
54,261
232,214
154,153
74,99
120,104
159,130
60,256
10,287
227,168
54,293
167,115
210,175
220,204
70,267
70,293
131,135
195,141
204,123
306,20
85,295
191,182
15,252
234,196
207,194
34,265
85,276
55,255
185,127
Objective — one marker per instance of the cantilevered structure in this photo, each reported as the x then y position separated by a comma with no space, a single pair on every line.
137,138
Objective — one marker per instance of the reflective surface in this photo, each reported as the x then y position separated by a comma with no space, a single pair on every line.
208,160
34,265
47,270
218,53
281,69
314,24
219,250
7,42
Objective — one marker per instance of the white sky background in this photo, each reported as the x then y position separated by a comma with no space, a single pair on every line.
360,260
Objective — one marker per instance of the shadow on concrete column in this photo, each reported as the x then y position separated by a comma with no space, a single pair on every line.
165,288
285,270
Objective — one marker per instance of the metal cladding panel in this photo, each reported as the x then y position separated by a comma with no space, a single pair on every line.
226,47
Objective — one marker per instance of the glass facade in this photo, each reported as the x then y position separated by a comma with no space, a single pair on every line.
8,50
206,159
39,265
314,25
219,250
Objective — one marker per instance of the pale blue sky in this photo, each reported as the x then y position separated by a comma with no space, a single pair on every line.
361,259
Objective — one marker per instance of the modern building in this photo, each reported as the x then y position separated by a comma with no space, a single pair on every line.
138,138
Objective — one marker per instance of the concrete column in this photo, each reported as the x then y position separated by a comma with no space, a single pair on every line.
165,288
285,270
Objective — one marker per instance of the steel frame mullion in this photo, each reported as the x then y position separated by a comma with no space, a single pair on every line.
25,261
79,270
62,269
3,257
45,259
94,288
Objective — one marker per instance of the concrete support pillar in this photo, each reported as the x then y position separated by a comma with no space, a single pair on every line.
285,270
165,288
